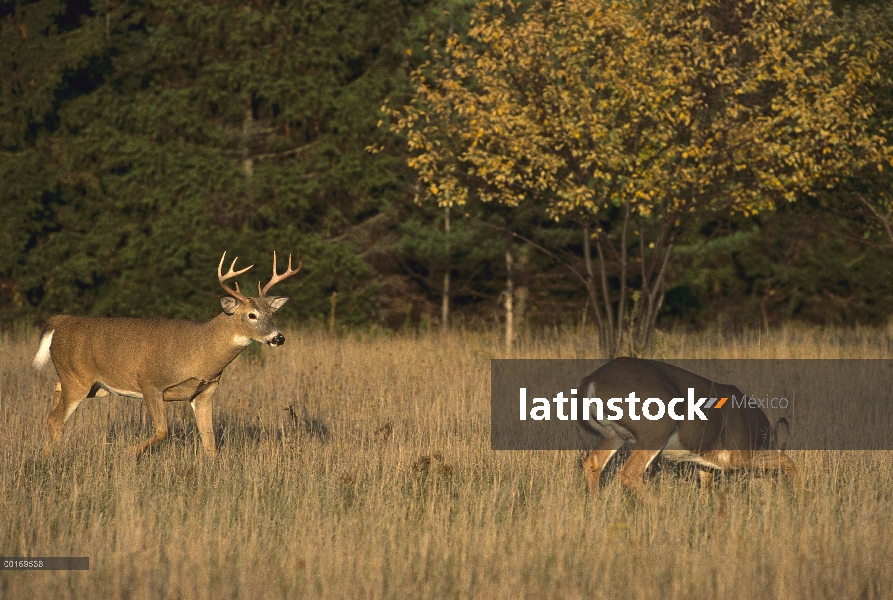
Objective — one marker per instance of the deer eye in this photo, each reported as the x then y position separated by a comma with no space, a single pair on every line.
252,316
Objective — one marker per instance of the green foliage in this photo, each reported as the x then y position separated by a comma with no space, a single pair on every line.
793,265
470,252
139,140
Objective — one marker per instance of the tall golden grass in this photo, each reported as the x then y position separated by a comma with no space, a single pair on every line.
360,467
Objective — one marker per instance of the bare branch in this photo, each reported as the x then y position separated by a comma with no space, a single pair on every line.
532,243
884,219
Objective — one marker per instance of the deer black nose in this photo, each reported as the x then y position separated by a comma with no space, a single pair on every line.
278,340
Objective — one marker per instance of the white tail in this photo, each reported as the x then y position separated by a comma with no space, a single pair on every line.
732,437
43,352
160,360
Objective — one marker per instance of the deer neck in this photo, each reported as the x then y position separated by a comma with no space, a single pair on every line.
222,340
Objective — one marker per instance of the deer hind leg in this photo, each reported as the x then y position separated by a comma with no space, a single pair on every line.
594,464
634,469
768,460
778,461
202,406
65,401
155,405
705,477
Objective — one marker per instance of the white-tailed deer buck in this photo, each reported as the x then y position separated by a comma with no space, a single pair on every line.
160,360
732,437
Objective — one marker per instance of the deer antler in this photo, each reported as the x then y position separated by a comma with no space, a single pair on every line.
221,278
277,278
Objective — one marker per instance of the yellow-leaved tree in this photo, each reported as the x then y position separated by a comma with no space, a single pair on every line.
638,120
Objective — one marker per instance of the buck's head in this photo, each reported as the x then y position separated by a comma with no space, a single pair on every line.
253,317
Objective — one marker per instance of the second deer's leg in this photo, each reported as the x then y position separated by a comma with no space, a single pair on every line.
155,405
705,478
772,460
594,464
634,469
202,406
776,460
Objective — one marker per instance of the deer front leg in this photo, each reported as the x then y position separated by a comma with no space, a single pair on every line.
155,405
633,470
705,477
594,464
202,406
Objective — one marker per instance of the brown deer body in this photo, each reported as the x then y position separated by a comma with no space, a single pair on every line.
159,360
732,437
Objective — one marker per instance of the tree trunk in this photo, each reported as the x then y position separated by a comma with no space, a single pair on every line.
445,302
592,292
627,329
247,126
509,293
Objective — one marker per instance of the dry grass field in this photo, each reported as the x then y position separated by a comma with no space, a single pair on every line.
380,483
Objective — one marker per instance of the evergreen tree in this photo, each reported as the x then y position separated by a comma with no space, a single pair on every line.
163,133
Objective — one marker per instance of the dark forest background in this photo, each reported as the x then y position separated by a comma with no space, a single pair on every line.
139,140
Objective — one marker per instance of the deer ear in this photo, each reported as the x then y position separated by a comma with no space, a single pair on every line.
276,302
229,304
